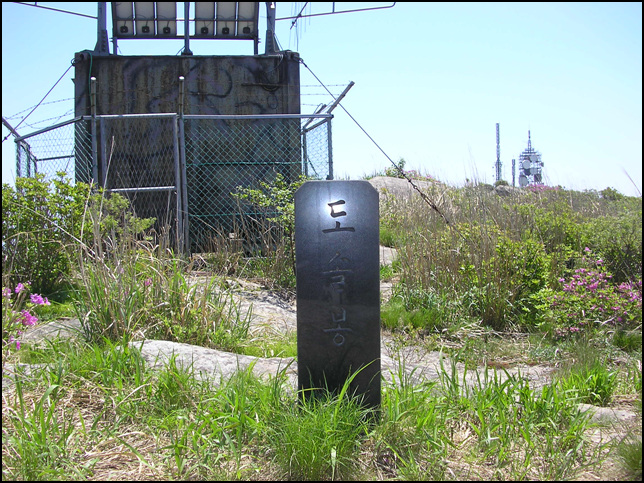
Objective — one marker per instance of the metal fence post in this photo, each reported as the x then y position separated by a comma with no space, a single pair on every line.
182,162
103,159
305,158
329,148
177,182
93,112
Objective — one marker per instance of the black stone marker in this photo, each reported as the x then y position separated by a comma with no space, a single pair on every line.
338,287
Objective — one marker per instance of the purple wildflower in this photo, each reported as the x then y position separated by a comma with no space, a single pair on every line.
13,339
28,319
38,299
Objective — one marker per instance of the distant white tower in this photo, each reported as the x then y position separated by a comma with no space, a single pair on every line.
530,166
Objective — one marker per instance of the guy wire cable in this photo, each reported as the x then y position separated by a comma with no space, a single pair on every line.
398,168
23,119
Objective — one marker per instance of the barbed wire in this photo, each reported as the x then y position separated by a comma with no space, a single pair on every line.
328,85
41,101
141,91
35,124
17,114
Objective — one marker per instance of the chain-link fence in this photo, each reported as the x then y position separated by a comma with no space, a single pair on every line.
138,157
53,149
184,171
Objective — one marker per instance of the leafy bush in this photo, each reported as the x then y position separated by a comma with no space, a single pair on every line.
553,222
618,238
41,227
588,299
276,227
45,223
496,276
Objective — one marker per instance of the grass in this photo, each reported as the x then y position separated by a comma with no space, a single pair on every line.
629,450
481,291
97,412
273,345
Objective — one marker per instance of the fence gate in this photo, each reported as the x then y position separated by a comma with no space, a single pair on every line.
138,158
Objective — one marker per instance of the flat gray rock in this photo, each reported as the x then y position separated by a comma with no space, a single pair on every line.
64,328
603,415
212,364
218,366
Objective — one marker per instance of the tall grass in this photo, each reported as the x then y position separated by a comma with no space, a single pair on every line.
99,413
144,292
503,251
130,284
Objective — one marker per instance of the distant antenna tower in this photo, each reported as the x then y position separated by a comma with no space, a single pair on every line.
498,155
513,170
530,166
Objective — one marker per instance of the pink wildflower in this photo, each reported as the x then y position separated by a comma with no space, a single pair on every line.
28,319
13,339
39,300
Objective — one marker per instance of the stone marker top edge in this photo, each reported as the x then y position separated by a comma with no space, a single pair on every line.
362,182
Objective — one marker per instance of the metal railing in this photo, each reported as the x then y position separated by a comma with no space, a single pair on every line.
182,169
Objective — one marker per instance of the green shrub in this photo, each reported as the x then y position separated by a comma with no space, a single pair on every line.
274,204
618,238
496,284
46,223
41,227
553,222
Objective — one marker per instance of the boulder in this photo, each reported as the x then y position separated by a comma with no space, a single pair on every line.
398,187
212,364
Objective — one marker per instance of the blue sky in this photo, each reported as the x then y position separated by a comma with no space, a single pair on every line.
431,82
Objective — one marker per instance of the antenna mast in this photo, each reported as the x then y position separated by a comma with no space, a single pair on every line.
498,155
